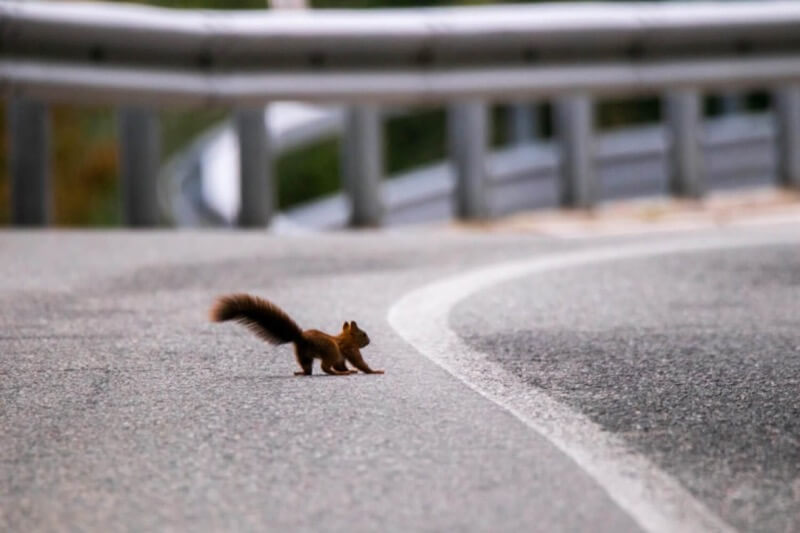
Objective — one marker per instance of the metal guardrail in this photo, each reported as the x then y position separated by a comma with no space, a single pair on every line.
737,151
461,56
199,185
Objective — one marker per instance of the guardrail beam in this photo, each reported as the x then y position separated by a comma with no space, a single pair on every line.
575,127
362,165
787,126
468,136
684,124
256,185
140,157
163,56
29,161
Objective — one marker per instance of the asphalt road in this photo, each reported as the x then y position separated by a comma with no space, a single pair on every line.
123,409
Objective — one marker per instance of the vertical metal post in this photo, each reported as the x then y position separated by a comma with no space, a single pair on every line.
575,125
522,123
362,164
346,158
140,156
256,186
787,127
468,136
684,123
29,161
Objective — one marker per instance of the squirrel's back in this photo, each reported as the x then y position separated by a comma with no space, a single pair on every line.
260,316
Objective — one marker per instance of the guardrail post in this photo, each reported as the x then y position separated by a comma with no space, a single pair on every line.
787,128
140,156
29,161
522,123
468,136
684,123
256,187
362,164
575,125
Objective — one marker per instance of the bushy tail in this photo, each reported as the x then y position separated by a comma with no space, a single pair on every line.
262,317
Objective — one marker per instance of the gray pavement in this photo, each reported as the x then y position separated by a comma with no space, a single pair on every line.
693,358
123,409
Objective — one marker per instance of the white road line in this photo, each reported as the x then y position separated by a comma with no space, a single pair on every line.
654,500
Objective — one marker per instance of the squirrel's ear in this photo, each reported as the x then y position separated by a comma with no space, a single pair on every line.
345,326
353,324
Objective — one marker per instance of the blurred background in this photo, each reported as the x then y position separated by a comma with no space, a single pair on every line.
198,151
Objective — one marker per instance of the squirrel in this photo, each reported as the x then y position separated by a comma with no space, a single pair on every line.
273,325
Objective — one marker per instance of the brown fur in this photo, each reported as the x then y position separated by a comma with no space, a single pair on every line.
273,325
350,341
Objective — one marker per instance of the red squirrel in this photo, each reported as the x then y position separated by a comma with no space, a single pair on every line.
272,324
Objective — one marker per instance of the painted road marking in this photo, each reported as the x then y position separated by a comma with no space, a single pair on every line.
657,502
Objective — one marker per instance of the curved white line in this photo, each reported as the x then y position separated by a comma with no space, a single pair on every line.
654,500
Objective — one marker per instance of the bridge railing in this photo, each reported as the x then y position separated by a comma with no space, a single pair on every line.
142,58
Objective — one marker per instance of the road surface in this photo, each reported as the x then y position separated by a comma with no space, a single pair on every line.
633,383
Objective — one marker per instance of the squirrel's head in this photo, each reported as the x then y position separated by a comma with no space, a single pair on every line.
358,335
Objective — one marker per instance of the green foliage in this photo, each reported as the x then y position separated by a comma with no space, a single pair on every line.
415,139
714,105
201,4
308,173
178,127
84,174
83,167
626,112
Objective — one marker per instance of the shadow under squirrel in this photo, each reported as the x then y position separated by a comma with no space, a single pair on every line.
272,324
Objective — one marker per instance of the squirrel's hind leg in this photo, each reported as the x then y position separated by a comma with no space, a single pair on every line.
332,360
305,361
